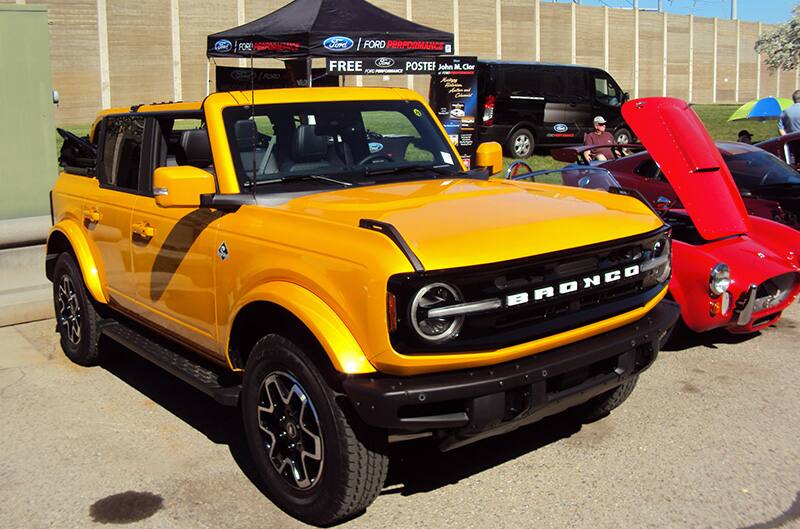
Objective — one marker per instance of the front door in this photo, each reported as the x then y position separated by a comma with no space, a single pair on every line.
607,102
174,253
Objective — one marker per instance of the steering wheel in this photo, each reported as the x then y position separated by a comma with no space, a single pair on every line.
513,169
371,158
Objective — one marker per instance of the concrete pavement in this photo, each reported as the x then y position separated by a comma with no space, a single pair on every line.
708,439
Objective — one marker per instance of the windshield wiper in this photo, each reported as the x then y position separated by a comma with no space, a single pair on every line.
438,169
297,177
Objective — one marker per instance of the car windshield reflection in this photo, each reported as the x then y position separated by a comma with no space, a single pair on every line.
584,177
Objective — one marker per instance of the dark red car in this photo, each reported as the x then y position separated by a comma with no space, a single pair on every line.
770,187
786,147
730,269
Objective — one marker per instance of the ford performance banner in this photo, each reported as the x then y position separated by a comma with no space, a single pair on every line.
380,66
455,90
229,79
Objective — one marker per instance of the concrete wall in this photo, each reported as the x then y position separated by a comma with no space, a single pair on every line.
123,52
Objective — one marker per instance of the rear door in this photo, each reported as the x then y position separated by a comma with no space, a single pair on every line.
107,209
676,139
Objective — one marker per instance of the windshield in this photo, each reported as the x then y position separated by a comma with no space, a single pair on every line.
585,177
751,170
336,143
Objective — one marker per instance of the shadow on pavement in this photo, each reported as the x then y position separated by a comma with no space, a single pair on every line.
419,466
683,338
415,466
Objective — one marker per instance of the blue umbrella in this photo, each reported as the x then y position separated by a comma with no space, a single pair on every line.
761,109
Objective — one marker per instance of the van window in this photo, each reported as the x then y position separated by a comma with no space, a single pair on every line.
569,83
605,91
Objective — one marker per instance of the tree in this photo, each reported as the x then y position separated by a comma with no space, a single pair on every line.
781,46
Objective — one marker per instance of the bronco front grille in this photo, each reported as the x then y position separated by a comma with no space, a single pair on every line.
542,312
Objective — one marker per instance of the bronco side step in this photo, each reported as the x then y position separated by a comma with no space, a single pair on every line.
190,371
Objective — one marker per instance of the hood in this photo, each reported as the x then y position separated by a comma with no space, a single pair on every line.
454,223
677,140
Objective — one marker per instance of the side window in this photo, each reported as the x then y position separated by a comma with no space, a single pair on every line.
649,169
122,152
574,84
605,91
521,81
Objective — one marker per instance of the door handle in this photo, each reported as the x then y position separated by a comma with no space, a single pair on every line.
92,214
143,230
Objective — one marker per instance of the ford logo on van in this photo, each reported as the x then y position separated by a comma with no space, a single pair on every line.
384,62
560,127
337,43
223,46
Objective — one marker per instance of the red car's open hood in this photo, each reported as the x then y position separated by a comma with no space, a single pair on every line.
677,140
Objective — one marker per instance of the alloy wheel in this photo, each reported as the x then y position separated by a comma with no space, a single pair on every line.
290,430
69,309
522,145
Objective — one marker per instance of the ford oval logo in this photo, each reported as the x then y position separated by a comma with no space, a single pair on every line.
223,46
375,147
560,127
337,43
384,62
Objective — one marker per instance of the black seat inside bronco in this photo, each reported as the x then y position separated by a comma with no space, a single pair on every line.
195,149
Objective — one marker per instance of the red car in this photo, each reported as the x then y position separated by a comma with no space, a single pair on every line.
770,187
730,269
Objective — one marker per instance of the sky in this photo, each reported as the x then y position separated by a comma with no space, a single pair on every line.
766,11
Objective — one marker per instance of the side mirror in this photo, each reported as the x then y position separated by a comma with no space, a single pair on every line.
490,154
181,187
625,96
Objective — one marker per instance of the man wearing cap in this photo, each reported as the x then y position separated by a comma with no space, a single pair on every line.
599,137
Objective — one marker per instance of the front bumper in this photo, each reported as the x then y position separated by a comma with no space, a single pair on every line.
476,403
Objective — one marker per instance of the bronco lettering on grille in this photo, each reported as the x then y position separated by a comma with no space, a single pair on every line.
568,287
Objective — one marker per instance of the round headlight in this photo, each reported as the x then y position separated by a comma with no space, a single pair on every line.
436,295
720,279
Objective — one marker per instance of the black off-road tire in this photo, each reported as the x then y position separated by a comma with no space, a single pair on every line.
354,463
623,136
601,405
75,310
520,144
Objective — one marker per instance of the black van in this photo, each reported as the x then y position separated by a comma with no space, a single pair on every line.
526,104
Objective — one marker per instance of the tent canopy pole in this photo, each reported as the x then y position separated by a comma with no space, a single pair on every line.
208,76
309,71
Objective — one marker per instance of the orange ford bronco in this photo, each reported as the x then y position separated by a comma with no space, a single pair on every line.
320,258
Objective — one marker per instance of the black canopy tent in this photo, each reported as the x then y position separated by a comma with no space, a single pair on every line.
329,28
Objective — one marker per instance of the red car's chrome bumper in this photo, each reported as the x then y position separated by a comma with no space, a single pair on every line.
750,317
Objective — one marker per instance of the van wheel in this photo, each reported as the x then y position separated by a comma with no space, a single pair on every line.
319,463
601,405
77,320
520,144
623,136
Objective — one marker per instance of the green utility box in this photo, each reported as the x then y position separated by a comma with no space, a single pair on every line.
28,160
